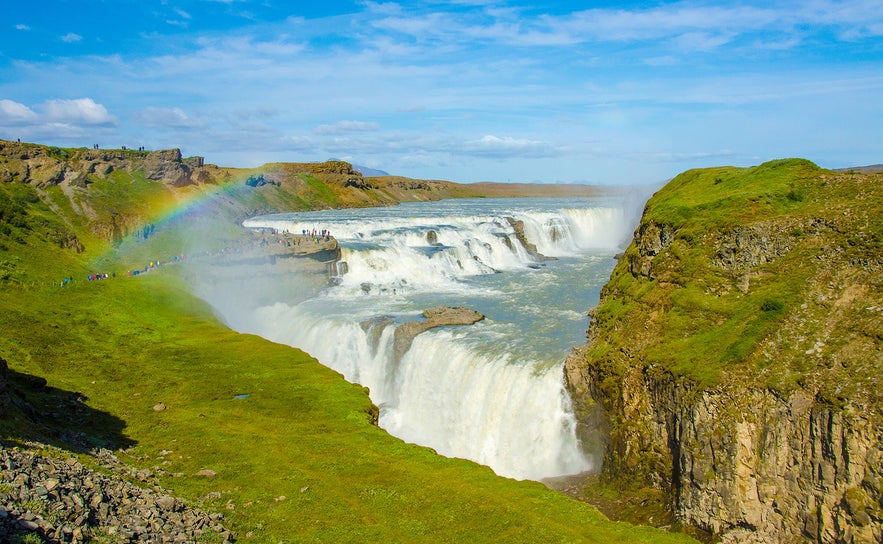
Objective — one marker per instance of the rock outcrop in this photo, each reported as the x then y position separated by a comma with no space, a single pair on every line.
167,167
518,226
735,359
747,463
438,316
46,166
650,239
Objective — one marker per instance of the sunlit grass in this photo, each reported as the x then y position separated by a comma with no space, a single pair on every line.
297,460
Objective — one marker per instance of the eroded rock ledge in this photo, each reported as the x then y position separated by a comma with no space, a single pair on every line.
438,316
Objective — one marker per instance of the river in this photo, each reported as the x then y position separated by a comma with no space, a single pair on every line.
492,392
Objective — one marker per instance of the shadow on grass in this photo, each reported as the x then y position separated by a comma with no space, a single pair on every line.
30,410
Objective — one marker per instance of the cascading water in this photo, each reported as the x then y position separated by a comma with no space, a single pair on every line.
492,392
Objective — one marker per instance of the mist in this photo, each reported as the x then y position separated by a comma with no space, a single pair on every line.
492,392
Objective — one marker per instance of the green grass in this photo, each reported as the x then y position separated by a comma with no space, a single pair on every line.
298,460
703,325
320,195
303,433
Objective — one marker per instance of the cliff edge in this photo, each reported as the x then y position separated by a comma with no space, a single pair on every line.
735,358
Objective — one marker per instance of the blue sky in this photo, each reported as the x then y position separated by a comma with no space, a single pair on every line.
469,90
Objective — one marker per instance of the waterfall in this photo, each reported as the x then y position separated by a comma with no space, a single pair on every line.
492,392
512,416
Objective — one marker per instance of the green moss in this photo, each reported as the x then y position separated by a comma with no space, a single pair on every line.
692,317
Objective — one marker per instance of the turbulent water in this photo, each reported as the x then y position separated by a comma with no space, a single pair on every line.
492,392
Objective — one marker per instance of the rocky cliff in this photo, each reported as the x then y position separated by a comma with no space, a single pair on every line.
42,165
735,358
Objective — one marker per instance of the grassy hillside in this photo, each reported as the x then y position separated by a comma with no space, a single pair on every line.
751,270
736,356
298,459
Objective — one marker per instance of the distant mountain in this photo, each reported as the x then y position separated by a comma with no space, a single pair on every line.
369,172
364,170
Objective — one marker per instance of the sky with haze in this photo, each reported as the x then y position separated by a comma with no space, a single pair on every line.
470,90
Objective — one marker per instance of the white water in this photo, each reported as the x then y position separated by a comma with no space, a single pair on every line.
492,392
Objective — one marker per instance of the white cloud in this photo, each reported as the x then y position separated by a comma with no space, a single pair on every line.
57,120
506,146
70,37
182,22
261,112
169,118
343,127
701,41
383,8
14,113
81,111
22,27
701,27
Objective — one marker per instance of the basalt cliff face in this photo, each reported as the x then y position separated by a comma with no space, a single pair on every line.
735,358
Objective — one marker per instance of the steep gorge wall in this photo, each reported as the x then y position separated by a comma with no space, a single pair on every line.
751,465
769,426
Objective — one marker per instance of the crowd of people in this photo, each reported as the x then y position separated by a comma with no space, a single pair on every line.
317,234
152,265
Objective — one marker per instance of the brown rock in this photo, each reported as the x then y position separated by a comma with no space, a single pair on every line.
438,316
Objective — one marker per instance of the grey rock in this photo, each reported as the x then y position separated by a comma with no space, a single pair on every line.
77,502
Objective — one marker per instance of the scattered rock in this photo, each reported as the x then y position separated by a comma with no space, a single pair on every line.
59,499
159,407
207,473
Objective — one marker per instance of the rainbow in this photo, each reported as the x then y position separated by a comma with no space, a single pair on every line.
181,213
